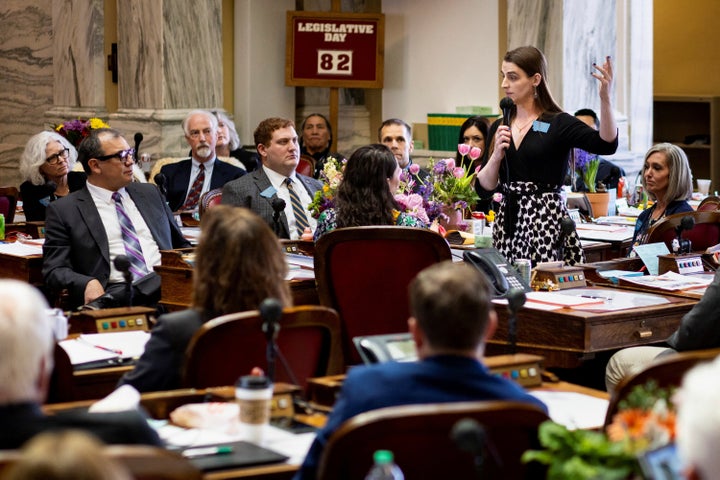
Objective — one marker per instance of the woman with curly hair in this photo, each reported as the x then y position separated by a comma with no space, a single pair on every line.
365,195
239,263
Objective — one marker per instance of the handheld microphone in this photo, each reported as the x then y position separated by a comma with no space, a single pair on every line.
278,205
161,182
122,264
506,105
138,139
516,298
270,312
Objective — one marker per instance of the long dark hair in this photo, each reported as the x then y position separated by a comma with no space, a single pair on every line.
532,61
238,263
364,196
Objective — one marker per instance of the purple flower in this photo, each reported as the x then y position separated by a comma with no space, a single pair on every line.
439,168
414,168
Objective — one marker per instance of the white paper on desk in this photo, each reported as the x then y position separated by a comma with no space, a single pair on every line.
300,260
131,343
20,249
80,352
121,399
560,299
300,274
614,300
672,281
573,410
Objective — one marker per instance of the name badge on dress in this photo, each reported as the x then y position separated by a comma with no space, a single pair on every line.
541,127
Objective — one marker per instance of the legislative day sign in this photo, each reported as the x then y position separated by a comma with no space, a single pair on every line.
335,49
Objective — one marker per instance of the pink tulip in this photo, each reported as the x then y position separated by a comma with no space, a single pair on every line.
414,168
497,197
463,148
477,169
449,163
458,172
475,153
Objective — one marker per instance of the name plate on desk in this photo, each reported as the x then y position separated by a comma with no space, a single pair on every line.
107,320
564,277
521,367
681,264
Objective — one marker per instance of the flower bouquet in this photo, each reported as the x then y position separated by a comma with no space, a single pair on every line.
331,175
76,130
645,421
586,165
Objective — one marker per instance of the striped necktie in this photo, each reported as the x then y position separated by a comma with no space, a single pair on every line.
193,197
301,220
130,240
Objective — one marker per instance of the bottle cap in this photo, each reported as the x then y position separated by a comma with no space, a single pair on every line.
383,457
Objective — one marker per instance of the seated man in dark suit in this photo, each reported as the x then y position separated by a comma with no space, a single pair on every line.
111,216
26,363
277,145
396,134
187,180
451,317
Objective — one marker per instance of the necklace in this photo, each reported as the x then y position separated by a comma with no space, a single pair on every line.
520,129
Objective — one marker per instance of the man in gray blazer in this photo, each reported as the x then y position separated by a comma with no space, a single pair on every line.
88,229
262,190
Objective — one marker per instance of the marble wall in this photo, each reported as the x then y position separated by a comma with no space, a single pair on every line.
26,77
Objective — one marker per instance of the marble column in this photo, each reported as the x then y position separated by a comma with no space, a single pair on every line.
573,35
169,62
78,28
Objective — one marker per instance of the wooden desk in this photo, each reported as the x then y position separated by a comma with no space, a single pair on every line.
27,268
567,337
176,278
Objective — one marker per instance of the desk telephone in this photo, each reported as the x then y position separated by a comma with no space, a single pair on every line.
497,269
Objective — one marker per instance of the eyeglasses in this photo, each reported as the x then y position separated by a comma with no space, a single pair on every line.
122,155
55,158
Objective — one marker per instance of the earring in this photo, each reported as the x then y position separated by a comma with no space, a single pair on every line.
534,91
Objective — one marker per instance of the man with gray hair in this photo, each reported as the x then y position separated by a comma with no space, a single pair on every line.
26,363
187,180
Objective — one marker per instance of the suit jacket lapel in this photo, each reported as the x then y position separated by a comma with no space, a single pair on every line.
91,217
263,182
148,211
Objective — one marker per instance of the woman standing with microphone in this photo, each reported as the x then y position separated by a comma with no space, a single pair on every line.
529,159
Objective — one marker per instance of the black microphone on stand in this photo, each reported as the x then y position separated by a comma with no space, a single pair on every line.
516,299
270,312
567,226
122,264
471,437
161,182
506,105
278,205
683,244
138,140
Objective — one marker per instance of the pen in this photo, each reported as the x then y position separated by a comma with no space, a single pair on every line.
198,452
111,350
596,298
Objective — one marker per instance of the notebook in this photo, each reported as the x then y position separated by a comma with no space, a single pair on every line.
244,454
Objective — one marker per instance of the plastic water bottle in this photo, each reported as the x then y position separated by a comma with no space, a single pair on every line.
384,467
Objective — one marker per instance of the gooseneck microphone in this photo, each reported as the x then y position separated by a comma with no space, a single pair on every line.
270,312
567,226
122,264
138,140
506,105
516,299
278,205
683,244
161,182
470,436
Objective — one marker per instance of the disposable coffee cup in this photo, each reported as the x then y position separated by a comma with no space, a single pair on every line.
254,394
703,185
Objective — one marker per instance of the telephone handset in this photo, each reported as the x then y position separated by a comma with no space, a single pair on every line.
497,269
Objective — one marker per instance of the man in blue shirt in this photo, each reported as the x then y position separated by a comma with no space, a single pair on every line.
451,318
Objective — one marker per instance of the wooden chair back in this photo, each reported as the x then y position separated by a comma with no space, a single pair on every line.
666,372
142,461
8,202
710,203
228,347
420,438
209,199
704,234
364,274
62,381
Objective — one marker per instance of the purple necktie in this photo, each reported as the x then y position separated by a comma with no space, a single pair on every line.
130,239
